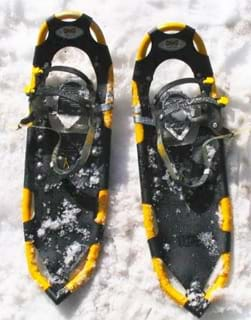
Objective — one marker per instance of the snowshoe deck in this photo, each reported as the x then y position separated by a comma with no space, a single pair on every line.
65,194
185,201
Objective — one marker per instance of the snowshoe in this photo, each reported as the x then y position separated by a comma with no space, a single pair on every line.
185,200
65,194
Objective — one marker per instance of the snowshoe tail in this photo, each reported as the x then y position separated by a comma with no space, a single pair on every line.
185,200
65,195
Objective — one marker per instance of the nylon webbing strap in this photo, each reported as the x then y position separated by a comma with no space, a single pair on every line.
84,154
177,108
84,125
170,166
144,120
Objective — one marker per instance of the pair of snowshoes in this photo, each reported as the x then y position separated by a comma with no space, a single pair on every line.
186,208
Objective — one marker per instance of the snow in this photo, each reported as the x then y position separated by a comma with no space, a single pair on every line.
207,239
166,247
124,285
71,252
196,297
68,218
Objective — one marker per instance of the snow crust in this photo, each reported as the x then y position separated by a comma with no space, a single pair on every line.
124,286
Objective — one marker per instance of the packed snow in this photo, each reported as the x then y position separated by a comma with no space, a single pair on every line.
124,285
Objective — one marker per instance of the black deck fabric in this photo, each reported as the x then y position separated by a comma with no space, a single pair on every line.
189,235
63,227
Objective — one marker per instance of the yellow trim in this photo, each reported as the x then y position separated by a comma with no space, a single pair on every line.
139,132
107,116
26,205
149,220
30,252
171,26
68,15
42,33
135,94
30,88
79,279
165,284
200,46
98,32
103,198
222,279
223,100
225,208
141,53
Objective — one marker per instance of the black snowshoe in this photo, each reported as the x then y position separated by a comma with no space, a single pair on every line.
186,206
65,193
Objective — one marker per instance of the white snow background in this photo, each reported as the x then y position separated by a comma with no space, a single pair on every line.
124,285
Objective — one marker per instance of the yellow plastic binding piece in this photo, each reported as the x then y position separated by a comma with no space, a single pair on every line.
30,88
165,284
209,80
223,100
